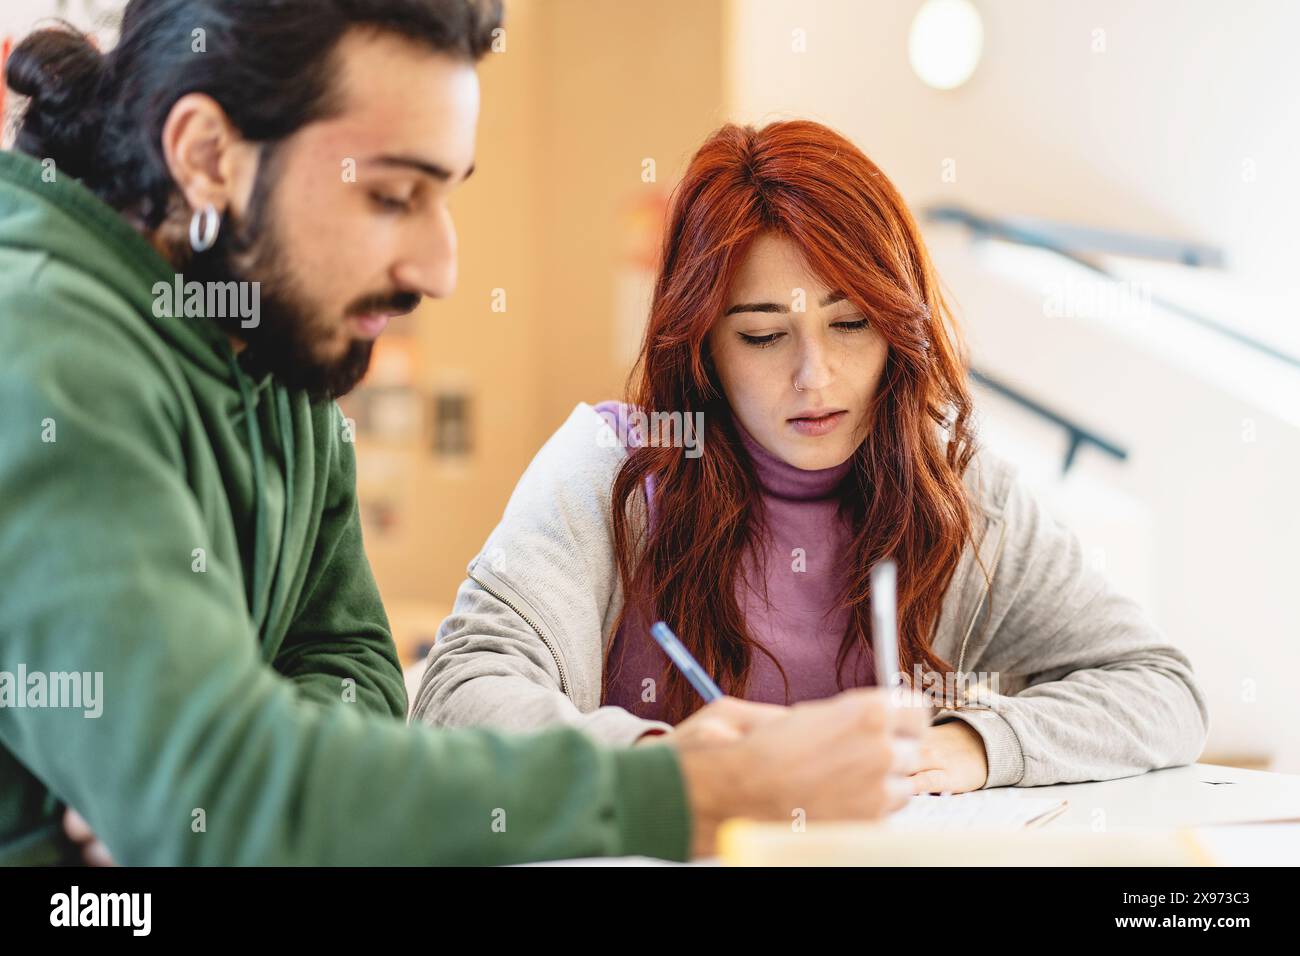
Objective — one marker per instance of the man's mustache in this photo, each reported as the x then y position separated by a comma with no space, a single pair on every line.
392,303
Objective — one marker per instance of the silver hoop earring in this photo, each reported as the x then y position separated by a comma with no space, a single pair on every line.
204,226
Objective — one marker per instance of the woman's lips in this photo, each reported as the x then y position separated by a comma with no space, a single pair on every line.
818,425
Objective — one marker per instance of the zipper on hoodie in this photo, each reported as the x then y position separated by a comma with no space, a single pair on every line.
559,665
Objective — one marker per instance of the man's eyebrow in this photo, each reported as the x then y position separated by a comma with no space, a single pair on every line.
830,299
435,170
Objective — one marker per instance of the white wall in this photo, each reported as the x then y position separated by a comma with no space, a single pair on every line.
1150,135
1200,523
1160,133
18,17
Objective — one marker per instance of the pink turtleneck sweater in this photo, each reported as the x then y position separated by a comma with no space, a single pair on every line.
800,623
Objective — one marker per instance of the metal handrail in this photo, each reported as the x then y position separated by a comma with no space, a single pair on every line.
1080,435
1071,242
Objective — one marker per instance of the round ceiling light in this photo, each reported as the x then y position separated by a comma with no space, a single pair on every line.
945,42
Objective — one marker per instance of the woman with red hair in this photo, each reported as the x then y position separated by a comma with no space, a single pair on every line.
798,414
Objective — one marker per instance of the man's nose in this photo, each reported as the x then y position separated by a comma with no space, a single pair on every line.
429,268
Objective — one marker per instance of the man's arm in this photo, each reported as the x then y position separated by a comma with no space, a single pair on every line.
339,631
202,754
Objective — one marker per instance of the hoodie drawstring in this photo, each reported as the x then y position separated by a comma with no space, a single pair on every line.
259,496
262,614
286,442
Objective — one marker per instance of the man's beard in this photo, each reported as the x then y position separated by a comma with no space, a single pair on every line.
291,333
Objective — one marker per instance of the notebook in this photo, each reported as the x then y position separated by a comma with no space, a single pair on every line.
980,809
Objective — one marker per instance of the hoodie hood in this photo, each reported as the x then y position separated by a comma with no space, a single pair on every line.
45,211
69,223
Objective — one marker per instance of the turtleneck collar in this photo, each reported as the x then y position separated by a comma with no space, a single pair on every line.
781,479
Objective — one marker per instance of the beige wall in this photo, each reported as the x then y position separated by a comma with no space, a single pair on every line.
622,82
584,91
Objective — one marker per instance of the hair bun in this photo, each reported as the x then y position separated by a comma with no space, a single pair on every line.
55,67
60,69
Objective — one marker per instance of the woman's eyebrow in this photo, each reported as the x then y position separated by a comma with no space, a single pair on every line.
830,299
757,307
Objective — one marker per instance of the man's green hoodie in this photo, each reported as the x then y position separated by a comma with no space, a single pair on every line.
191,534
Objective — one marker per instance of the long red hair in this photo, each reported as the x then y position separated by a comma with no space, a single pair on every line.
905,499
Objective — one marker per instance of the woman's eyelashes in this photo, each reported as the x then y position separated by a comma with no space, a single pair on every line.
760,341
858,324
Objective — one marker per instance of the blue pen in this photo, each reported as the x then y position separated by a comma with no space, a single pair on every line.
688,665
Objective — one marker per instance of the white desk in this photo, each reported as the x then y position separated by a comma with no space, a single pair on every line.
1240,817
1199,795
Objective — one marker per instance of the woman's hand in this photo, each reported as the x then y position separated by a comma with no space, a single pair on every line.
952,759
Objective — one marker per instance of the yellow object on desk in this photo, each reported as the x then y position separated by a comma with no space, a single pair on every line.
747,843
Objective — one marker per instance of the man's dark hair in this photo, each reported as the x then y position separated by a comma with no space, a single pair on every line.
267,63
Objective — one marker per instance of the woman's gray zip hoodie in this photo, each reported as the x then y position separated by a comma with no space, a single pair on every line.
1063,678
